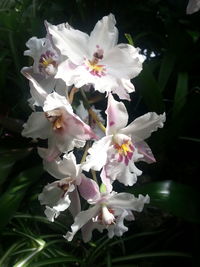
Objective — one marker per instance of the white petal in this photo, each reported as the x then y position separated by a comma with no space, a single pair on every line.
193,6
142,127
105,34
51,213
71,43
54,101
98,148
124,88
37,92
117,116
126,174
128,201
80,220
37,126
123,61
62,168
75,207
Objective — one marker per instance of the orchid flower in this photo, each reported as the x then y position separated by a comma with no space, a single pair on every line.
123,145
97,59
57,123
46,59
108,211
58,195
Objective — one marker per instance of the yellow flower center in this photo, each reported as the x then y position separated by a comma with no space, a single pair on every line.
125,151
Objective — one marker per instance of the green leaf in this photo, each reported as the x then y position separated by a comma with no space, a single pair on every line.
152,255
166,68
12,198
181,93
149,90
181,200
129,38
55,260
8,159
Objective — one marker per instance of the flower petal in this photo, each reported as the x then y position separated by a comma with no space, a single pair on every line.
80,220
71,43
128,201
142,127
145,150
37,126
117,116
75,208
123,61
37,92
104,34
89,189
98,148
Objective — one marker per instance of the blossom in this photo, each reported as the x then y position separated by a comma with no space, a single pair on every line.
108,211
123,145
46,59
57,123
97,59
58,195
193,6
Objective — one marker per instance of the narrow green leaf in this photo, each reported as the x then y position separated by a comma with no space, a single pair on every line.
129,38
8,159
166,68
152,255
181,93
10,251
181,200
11,199
149,90
55,260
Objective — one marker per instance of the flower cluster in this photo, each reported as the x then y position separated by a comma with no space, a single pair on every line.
65,62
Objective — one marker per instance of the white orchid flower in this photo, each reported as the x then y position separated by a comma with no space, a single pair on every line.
58,195
57,123
97,59
123,145
108,211
46,59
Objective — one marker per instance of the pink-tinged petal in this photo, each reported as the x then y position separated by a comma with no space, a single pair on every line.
89,189
142,127
128,201
37,126
75,207
104,35
71,43
37,92
117,116
106,180
80,220
145,150
99,148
